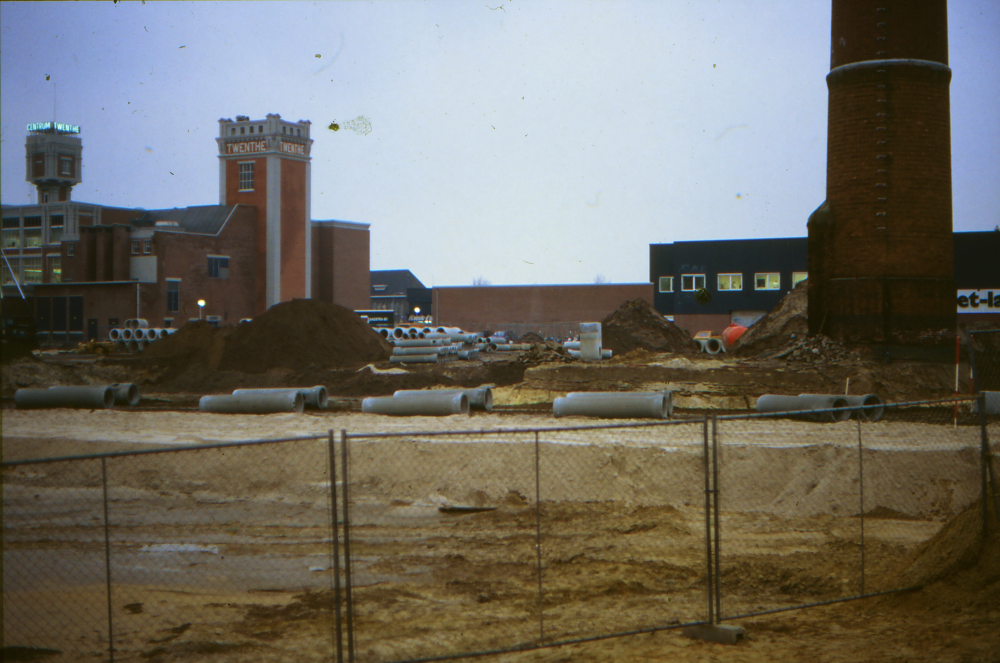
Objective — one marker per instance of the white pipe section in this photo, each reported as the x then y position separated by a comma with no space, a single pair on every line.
712,346
288,401
431,403
480,398
126,393
414,359
383,332
572,345
312,397
139,334
872,413
133,346
806,404
126,334
114,334
590,341
142,344
605,353
468,354
628,405
398,332
425,350
420,342
94,398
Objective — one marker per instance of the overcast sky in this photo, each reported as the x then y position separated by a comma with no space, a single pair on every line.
522,142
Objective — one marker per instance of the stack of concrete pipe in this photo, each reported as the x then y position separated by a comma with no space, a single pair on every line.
427,403
711,345
615,405
103,397
824,407
266,401
413,345
137,337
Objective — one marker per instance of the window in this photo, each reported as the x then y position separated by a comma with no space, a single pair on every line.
55,229
135,247
55,268
251,129
730,282
767,281
243,130
283,129
8,276
218,267
666,284
66,166
71,250
147,247
45,198
32,231
11,233
799,277
260,129
232,132
38,166
378,288
173,295
246,176
691,282
31,270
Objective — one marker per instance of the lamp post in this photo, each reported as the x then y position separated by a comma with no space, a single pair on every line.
201,305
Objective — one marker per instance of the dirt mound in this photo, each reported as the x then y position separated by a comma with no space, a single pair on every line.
12,350
531,337
636,324
790,316
293,336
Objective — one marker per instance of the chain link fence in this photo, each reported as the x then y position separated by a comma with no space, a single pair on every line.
435,545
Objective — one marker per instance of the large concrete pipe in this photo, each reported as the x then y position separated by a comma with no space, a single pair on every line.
139,334
414,359
873,406
136,323
253,403
126,334
93,398
615,405
114,334
141,344
590,341
468,354
429,403
712,346
429,350
572,345
315,398
420,342
383,332
132,346
121,346
126,393
398,332
480,398
806,405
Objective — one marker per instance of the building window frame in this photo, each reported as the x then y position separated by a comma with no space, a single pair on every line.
65,166
10,276
729,282
692,282
11,233
54,267
32,232
218,267
147,247
136,246
666,283
173,295
56,227
70,249
767,281
31,269
798,277
246,169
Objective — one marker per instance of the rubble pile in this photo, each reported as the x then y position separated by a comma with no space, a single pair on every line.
636,324
789,319
810,349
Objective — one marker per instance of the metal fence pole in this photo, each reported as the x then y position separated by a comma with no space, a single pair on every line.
344,472
107,560
861,502
715,509
708,524
336,549
538,541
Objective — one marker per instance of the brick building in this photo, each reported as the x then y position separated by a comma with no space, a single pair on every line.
85,268
880,246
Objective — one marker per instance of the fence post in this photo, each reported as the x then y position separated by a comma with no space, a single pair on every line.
331,454
987,464
107,560
538,542
344,472
715,509
861,501
708,525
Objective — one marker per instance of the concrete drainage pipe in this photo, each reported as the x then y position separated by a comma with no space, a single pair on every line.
420,403
480,398
315,398
868,407
806,405
93,398
114,334
615,405
126,334
126,393
254,403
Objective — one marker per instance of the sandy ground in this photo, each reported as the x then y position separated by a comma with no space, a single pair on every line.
224,555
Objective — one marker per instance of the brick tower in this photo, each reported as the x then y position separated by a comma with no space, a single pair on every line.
880,248
265,163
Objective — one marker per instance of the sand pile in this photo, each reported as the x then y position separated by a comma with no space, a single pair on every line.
636,324
296,335
790,316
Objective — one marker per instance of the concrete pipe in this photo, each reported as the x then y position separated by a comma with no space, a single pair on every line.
590,341
806,404
572,345
142,344
419,350
136,323
92,398
712,346
398,332
383,332
606,354
170,330
314,398
254,403
132,346
114,334
431,403
126,393
413,333
873,406
163,333
468,354
615,405
414,359
419,342
126,334
121,346
573,353
139,334
480,398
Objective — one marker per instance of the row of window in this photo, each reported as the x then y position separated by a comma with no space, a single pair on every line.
288,131
13,236
729,282
29,270
66,165
145,245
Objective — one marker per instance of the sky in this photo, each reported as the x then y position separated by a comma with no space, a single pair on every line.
515,142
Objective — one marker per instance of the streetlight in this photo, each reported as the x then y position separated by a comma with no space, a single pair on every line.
201,305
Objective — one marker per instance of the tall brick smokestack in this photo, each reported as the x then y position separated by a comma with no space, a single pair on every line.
880,248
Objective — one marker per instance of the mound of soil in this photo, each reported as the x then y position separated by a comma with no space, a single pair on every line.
635,324
12,350
293,336
790,316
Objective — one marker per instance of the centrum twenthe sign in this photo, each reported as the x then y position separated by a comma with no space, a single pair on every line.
246,147
293,148
979,301
54,126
